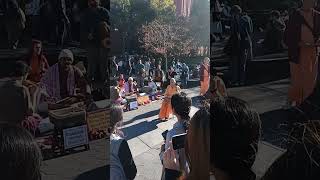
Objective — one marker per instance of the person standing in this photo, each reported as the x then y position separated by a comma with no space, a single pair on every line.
159,75
184,75
140,70
114,68
90,27
204,76
241,44
166,108
122,164
14,22
147,65
301,36
274,33
216,26
152,67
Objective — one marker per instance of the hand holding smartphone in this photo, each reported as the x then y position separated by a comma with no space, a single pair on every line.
164,134
178,141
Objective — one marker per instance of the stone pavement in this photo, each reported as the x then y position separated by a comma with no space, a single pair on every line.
143,132
267,99
81,166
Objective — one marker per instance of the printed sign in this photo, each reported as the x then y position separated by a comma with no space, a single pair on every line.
98,123
76,136
133,105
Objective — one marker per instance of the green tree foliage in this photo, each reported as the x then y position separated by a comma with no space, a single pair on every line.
164,9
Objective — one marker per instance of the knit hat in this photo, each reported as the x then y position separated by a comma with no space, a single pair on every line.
66,53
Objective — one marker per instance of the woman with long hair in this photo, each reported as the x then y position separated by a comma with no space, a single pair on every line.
122,165
181,106
166,109
197,149
37,61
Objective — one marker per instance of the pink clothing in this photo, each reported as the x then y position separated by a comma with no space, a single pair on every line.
51,83
130,88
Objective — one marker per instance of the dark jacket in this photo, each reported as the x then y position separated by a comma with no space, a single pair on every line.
14,102
90,23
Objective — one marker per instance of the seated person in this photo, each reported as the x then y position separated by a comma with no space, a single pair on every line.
121,81
21,110
37,61
152,87
63,80
116,95
15,104
130,87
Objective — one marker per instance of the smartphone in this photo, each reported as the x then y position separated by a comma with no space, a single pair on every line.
164,134
178,141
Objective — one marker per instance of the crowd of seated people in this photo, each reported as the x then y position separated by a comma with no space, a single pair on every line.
122,89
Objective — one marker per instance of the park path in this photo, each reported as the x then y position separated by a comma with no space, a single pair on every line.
143,132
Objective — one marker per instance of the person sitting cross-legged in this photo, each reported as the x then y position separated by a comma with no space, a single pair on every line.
130,87
64,81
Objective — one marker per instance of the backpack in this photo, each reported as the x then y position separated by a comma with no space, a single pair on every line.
116,169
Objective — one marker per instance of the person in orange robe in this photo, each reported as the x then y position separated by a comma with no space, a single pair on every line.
302,51
166,109
217,87
37,61
204,76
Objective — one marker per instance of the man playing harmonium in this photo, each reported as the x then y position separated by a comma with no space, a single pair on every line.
64,84
130,87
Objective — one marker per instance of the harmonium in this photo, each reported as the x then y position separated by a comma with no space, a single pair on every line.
132,103
70,129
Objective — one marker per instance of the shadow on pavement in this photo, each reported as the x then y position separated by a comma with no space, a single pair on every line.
275,126
96,174
140,128
142,116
